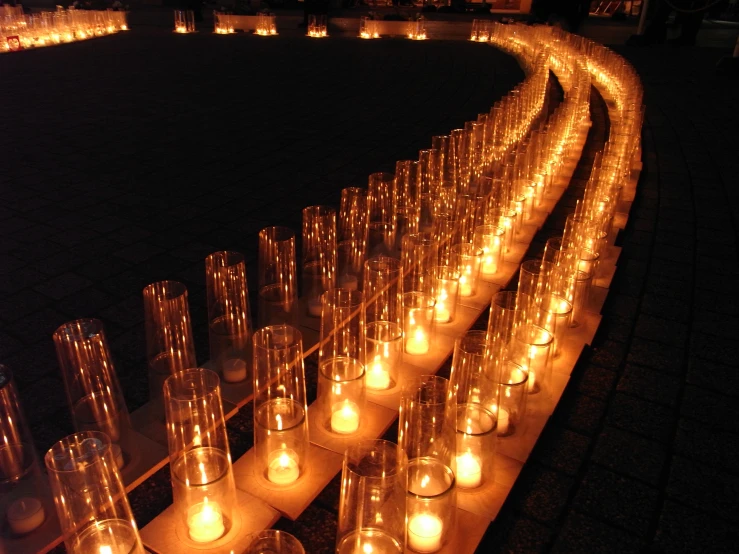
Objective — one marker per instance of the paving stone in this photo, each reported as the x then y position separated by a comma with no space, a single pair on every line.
683,529
716,349
709,489
715,302
581,533
609,354
22,303
639,416
667,307
718,411
515,533
625,503
650,385
621,305
716,448
629,454
652,354
713,376
580,413
593,380
542,494
561,449
63,285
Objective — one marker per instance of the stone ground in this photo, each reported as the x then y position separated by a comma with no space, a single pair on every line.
127,159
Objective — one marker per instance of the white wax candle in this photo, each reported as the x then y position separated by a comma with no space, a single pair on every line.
348,282
345,418
503,421
314,307
441,314
469,471
417,343
378,377
424,533
25,515
206,522
465,285
283,469
489,267
118,456
234,370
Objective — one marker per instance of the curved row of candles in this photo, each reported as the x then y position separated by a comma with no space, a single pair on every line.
19,31
380,279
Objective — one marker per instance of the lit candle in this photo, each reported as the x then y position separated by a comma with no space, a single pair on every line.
283,469
348,282
25,515
206,522
503,421
465,284
469,471
234,370
417,343
424,533
378,377
345,418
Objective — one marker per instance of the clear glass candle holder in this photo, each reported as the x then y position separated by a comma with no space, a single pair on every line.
319,255
382,215
467,258
476,389
281,440
203,487
278,282
505,219
229,321
170,346
489,239
579,296
418,322
446,293
554,315
426,433
22,486
90,499
512,398
341,371
352,238
90,381
372,503
272,541
418,258
532,350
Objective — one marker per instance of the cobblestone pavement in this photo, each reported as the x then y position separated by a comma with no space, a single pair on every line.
151,150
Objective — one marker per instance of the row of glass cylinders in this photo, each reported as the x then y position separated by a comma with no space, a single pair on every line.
370,28
378,297
19,30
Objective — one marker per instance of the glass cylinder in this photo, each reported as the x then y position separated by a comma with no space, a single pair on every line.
580,296
426,433
512,398
382,215
21,480
229,321
418,258
169,342
467,259
532,350
91,502
489,239
278,284
319,255
554,315
372,503
271,541
476,388
92,387
341,383
418,322
352,237
281,440
445,291
203,488
383,330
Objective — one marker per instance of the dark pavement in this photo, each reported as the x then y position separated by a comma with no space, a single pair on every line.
127,159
